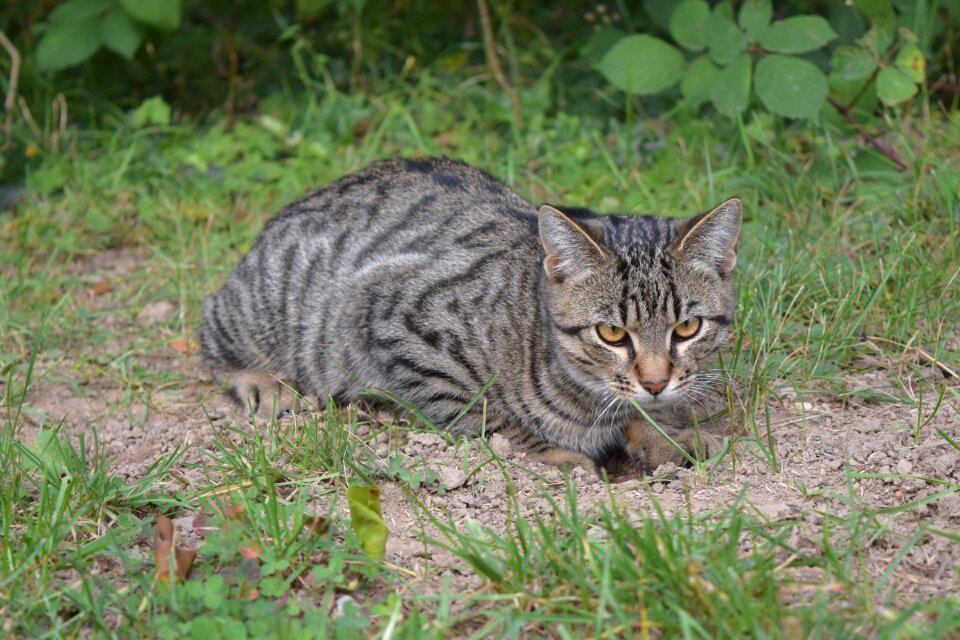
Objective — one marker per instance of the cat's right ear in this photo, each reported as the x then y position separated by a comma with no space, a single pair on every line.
570,250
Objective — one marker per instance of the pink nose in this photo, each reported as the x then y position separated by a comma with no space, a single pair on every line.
655,387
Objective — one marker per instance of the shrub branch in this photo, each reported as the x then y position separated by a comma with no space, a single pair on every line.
844,111
494,61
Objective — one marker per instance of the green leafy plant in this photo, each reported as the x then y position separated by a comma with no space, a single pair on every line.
726,57
76,29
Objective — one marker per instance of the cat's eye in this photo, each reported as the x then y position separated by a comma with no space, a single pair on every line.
611,334
686,330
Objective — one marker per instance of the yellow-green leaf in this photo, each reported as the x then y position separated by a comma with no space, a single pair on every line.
910,60
367,520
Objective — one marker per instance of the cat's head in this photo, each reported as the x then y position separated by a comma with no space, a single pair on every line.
640,304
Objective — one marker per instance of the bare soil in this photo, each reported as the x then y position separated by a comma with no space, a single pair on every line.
816,437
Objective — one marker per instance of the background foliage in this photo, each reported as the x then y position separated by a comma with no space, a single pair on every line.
88,64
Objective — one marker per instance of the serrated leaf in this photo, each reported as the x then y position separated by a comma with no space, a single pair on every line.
797,35
894,86
699,80
731,90
162,14
78,10
367,520
852,63
642,65
724,38
689,24
910,60
67,44
790,86
755,17
119,33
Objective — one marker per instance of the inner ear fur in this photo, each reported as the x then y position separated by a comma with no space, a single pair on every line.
711,237
570,248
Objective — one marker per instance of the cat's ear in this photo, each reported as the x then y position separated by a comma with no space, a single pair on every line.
711,237
570,249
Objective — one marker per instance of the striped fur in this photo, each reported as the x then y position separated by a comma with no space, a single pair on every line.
428,277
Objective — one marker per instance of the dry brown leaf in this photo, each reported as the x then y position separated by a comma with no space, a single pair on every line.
233,512
183,345
101,287
163,544
317,525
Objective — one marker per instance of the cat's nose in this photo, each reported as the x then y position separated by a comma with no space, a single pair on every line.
653,388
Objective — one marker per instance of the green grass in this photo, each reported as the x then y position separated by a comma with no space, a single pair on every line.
846,266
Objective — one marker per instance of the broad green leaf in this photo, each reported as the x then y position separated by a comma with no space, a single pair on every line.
689,23
724,38
119,33
699,80
152,111
731,90
883,23
599,43
910,60
162,14
797,35
790,86
68,43
77,10
642,65
853,63
894,87
880,13
367,520
755,16
660,11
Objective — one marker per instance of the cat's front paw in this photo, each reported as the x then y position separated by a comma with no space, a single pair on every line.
646,449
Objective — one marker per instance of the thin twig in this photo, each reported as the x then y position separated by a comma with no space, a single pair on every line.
869,139
11,90
494,61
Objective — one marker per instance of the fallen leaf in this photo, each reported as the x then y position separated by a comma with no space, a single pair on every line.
233,512
163,544
183,345
367,521
200,526
317,525
102,287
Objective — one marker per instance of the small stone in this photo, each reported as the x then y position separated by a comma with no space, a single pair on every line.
426,439
775,511
658,487
451,477
904,466
154,313
500,445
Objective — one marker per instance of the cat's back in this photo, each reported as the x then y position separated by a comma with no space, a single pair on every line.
408,204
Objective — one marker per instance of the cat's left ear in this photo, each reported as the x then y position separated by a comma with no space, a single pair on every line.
711,237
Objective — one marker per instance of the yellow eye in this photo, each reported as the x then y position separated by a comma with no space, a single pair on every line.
611,334
686,330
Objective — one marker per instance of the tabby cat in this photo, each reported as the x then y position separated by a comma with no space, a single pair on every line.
427,278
